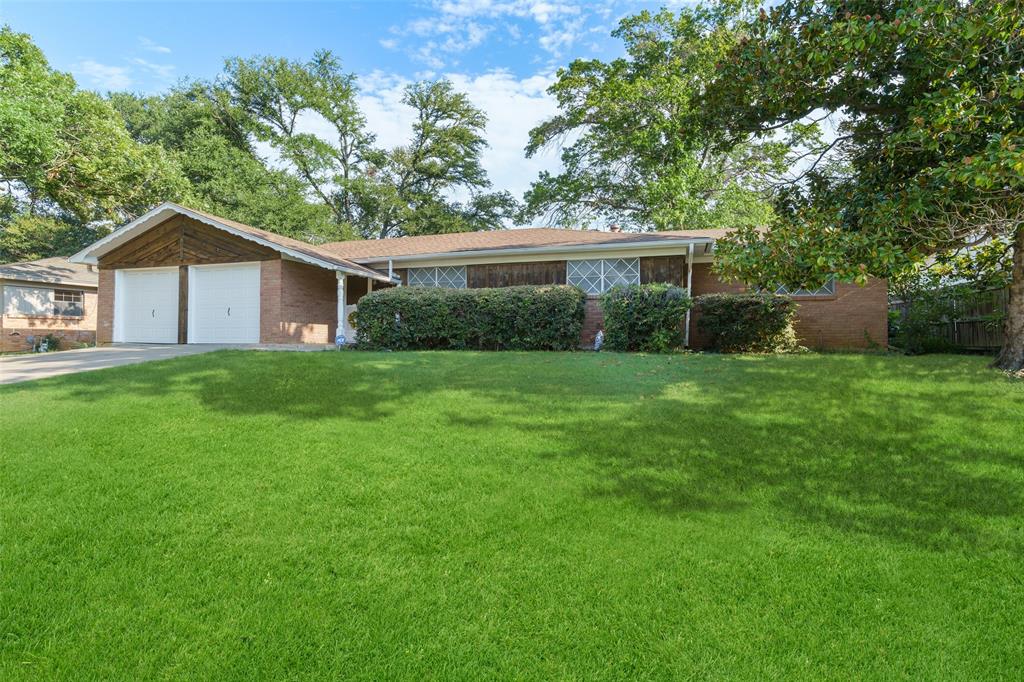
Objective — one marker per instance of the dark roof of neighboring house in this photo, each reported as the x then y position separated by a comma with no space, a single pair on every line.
523,238
51,270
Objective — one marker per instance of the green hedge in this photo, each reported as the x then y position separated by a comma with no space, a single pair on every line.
747,323
644,317
506,318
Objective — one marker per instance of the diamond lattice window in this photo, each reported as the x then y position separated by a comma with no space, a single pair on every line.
451,277
598,276
826,289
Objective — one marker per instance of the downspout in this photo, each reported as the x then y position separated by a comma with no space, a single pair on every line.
689,292
391,271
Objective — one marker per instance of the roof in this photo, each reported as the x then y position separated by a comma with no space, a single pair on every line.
496,240
297,249
51,270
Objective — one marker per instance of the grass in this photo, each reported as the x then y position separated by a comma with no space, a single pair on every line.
244,515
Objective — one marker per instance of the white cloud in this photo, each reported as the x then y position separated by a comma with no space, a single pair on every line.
152,46
465,24
388,43
104,76
164,72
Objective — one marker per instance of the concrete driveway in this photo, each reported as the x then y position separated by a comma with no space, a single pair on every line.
15,368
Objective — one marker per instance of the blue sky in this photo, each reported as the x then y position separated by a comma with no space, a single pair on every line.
503,53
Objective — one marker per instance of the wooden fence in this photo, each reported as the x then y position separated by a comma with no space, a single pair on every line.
976,322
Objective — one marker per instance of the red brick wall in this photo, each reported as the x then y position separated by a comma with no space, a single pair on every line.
592,321
298,303
856,317
105,307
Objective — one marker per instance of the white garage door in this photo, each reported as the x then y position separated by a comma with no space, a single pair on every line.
224,303
146,303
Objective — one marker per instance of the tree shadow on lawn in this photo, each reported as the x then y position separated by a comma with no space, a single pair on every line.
903,451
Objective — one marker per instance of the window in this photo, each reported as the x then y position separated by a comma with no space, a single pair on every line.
43,302
826,289
598,276
452,277
68,303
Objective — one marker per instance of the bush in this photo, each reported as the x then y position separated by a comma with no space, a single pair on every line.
644,317
748,323
507,318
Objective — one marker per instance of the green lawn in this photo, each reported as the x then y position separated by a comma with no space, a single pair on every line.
245,515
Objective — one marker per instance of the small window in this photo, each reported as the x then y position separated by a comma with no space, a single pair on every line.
451,277
68,303
598,276
826,289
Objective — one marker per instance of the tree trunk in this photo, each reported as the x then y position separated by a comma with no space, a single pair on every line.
1011,357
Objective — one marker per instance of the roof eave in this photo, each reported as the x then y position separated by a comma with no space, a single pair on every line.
530,250
90,254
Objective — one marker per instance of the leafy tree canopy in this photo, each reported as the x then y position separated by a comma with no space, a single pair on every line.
637,151
928,156
66,160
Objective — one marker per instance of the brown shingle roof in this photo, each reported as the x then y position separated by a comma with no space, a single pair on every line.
53,270
306,248
533,237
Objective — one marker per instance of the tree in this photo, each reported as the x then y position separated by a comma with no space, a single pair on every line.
638,153
211,141
66,160
372,191
928,157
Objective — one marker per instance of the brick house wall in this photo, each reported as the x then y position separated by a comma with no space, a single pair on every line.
73,331
298,303
855,317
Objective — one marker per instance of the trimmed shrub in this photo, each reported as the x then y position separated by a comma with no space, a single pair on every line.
644,317
506,318
748,323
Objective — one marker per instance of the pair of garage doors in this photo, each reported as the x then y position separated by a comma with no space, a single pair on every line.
223,304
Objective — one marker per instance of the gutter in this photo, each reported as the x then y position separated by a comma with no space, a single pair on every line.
529,250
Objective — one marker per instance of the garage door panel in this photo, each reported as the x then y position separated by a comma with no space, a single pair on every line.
147,304
224,303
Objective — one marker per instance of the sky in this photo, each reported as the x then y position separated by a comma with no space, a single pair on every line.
502,53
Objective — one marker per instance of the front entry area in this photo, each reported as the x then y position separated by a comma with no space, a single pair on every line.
224,303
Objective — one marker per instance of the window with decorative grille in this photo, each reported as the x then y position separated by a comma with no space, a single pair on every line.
826,289
598,276
450,277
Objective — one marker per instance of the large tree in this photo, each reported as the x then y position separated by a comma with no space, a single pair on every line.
928,157
213,144
68,167
372,191
637,153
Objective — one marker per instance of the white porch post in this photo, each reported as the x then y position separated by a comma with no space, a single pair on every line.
689,292
342,277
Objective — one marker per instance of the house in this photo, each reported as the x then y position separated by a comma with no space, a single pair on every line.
178,275
48,296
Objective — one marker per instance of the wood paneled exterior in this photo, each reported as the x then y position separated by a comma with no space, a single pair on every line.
184,241
663,270
515,274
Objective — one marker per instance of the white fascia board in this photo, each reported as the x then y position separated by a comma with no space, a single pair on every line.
91,253
667,247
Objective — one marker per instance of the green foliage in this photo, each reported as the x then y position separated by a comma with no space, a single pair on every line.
371,191
65,150
506,318
66,160
25,236
644,317
928,155
640,155
747,323
210,139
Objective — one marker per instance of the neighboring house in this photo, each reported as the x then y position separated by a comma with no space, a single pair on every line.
48,296
178,275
